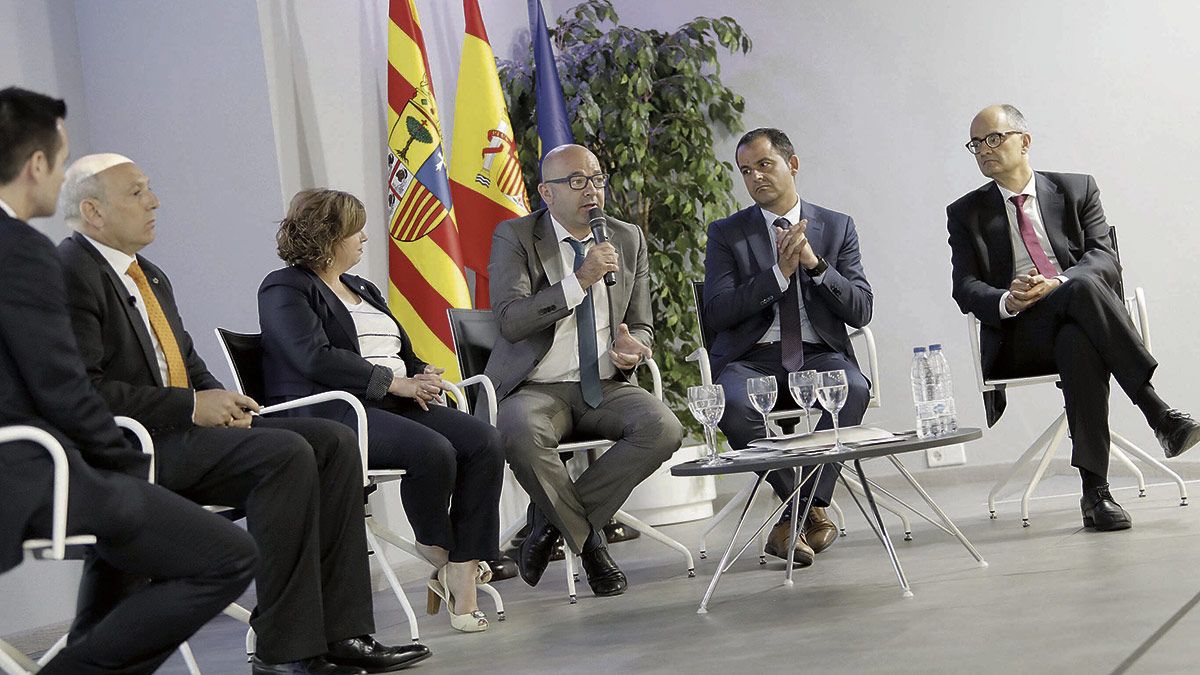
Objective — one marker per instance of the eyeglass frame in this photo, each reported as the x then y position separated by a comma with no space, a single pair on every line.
977,142
586,179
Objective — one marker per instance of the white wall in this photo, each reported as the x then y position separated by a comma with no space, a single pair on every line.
878,98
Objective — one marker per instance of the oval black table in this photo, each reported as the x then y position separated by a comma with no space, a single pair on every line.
783,460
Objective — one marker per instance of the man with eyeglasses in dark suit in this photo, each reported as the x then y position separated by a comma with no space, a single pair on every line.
1033,260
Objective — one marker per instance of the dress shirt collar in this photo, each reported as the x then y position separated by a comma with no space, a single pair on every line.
7,209
1029,189
560,232
793,214
117,259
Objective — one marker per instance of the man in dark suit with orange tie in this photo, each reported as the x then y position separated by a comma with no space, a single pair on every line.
298,479
1033,260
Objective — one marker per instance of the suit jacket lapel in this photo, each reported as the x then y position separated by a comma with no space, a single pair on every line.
993,224
754,230
546,245
130,311
618,293
1050,199
341,315
815,232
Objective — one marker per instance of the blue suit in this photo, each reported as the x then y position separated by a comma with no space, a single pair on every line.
740,297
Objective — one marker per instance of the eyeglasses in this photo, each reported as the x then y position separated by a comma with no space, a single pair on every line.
993,140
578,182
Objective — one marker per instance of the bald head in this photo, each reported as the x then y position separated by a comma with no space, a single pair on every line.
568,205
562,156
1000,140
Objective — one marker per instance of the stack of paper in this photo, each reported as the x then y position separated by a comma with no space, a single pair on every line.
821,440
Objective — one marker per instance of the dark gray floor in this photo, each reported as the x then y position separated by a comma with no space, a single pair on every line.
1055,599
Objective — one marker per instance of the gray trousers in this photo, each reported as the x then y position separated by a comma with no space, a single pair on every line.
536,417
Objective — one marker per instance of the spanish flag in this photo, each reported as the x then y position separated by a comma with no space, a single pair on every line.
424,259
485,174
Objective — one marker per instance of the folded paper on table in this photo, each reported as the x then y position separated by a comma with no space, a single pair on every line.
856,435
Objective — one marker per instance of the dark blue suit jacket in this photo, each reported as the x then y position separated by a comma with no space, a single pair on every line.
310,344
982,259
43,384
740,289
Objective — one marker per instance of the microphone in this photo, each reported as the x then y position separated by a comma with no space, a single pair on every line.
596,222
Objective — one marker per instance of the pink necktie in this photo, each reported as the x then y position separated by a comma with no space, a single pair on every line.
1036,253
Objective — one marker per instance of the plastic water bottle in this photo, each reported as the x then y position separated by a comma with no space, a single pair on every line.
922,390
943,391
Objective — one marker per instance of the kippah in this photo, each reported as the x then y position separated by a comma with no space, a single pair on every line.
90,165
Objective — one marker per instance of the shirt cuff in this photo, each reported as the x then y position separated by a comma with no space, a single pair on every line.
572,291
1063,278
779,278
820,278
1004,313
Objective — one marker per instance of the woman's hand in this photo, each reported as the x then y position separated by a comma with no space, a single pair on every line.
422,388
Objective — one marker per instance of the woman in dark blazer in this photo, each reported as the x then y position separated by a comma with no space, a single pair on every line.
324,329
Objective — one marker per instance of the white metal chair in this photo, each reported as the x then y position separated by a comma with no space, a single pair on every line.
1050,439
790,417
474,332
13,661
243,353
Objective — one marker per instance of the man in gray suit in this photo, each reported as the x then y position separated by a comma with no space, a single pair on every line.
564,362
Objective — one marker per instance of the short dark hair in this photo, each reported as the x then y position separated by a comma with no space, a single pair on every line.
28,123
317,220
779,140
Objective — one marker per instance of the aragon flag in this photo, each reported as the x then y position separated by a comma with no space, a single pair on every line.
424,258
485,174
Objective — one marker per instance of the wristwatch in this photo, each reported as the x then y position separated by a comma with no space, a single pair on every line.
818,270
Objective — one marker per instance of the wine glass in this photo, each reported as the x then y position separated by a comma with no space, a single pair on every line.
803,385
707,403
763,391
831,392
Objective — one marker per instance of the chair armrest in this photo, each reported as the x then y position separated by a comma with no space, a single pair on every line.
1143,316
489,394
58,518
976,357
700,356
872,364
359,411
144,440
655,379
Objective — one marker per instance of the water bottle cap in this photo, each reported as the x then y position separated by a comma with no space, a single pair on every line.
935,347
917,350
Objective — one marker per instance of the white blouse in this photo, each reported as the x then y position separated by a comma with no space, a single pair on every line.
378,337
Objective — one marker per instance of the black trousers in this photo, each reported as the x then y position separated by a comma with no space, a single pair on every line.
193,564
742,423
299,482
1082,332
454,466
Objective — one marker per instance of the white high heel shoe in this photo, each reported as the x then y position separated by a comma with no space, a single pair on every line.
473,622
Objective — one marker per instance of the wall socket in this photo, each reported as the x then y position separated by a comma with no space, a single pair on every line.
947,455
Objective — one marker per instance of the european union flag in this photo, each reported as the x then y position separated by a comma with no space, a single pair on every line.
553,128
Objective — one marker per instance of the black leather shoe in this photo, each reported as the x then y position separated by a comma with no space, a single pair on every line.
536,549
1102,512
366,653
317,664
603,575
504,567
1176,431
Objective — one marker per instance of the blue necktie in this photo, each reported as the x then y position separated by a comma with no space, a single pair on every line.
585,326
